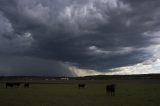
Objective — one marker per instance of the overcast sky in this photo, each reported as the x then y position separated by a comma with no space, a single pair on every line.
79,37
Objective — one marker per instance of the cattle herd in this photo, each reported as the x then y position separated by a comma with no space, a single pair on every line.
110,89
16,84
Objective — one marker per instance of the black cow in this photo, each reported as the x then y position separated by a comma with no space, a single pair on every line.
26,85
16,84
81,85
12,84
110,89
8,84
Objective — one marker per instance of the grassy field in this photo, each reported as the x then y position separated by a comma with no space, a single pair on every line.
66,93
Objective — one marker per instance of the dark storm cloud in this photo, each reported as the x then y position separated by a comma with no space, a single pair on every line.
29,66
91,34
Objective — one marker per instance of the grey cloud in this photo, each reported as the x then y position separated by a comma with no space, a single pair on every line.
65,30
29,66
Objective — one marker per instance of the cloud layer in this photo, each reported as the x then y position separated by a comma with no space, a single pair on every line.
97,35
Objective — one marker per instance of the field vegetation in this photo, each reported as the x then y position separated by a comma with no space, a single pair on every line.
66,93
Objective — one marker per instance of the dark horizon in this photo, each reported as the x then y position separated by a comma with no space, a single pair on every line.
61,76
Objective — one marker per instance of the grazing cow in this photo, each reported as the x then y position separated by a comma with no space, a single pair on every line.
8,84
81,85
26,85
110,89
16,84
11,84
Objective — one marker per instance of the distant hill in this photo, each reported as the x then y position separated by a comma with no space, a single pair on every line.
106,77
96,77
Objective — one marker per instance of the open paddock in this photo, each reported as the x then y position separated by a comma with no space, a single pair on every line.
67,93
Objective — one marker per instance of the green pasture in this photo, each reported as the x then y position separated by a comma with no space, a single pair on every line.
66,93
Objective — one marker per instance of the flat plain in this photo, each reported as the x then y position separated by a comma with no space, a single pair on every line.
66,93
